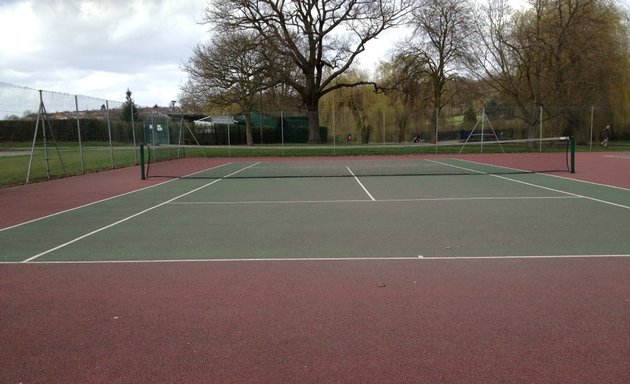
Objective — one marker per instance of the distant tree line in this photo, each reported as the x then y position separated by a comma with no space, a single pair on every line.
551,60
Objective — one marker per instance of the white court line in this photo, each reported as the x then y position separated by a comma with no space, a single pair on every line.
340,259
548,175
458,167
535,185
625,157
104,200
586,182
361,184
568,193
491,198
132,216
172,261
524,257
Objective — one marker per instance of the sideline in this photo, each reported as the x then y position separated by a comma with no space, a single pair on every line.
531,184
132,216
102,200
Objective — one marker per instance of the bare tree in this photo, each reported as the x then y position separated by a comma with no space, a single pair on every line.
230,70
317,40
438,48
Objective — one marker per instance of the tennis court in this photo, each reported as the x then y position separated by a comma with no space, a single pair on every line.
348,269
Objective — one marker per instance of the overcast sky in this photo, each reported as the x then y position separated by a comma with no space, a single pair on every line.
101,48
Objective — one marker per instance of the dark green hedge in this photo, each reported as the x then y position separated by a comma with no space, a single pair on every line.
66,130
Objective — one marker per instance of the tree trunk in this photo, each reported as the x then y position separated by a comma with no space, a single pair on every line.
313,125
248,130
433,129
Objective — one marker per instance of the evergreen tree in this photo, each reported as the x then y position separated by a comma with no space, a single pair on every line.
128,108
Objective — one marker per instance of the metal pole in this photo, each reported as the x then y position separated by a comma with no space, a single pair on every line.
383,113
572,154
142,175
282,130
30,161
109,132
590,149
152,126
483,126
334,126
437,133
76,104
133,130
541,130
180,140
42,114
260,118
229,145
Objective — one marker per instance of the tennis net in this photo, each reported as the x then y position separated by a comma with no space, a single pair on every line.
456,158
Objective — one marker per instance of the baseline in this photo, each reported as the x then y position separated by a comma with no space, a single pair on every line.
318,259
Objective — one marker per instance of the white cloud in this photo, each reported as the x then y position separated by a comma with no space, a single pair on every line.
16,39
99,48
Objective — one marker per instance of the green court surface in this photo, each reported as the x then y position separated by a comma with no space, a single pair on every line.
232,212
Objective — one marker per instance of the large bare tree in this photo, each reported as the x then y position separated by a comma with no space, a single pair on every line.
316,40
438,49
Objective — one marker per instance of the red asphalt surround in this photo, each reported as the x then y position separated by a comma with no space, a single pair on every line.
426,321
421,321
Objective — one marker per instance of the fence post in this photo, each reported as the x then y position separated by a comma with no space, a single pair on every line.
109,132
590,148
76,105
572,141
133,130
142,175
541,130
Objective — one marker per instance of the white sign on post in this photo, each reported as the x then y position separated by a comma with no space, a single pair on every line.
226,120
214,120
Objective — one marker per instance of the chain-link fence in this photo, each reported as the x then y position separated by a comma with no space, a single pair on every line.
394,126
49,134
398,125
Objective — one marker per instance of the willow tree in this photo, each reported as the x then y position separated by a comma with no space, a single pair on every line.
561,56
316,40
408,90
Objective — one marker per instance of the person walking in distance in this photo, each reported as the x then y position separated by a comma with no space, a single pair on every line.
604,135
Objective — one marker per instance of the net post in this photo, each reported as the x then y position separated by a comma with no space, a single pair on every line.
142,175
572,149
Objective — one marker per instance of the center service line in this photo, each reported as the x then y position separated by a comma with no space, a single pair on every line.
134,215
361,184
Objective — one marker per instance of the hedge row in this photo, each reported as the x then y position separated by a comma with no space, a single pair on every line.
66,130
